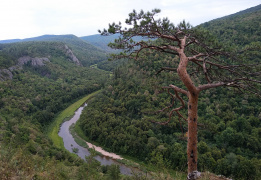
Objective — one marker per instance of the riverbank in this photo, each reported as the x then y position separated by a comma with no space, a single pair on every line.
89,145
63,116
58,141
103,152
80,138
140,168
75,145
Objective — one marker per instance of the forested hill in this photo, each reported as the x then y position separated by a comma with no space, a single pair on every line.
39,78
241,28
230,130
103,41
85,52
100,41
45,80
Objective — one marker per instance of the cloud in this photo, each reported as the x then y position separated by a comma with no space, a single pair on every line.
30,18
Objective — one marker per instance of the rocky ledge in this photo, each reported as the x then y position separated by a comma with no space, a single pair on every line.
70,54
33,61
6,74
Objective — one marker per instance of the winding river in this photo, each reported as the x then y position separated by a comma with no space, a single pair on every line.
69,144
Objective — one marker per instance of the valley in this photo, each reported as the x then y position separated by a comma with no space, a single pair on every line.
105,158
44,80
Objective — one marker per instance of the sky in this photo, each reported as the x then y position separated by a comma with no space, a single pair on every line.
21,19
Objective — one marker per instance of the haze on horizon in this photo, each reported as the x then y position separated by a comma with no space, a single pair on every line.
30,18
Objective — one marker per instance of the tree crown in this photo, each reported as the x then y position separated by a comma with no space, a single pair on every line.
215,64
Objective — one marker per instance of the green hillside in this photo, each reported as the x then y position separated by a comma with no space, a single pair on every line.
241,28
229,131
102,43
47,68
85,52
38,79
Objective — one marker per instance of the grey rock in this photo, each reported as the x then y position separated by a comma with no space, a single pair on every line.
6,74
193,175
70,54
34,61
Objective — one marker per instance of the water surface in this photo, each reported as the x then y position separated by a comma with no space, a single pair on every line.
69,144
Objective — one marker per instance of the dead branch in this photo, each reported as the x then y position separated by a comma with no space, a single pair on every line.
174,88
166,68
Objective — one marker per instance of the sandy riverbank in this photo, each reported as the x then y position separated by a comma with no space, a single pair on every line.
103,152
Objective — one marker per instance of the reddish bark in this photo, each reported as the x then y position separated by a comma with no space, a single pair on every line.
192,109
192,132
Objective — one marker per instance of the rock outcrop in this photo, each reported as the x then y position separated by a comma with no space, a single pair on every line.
70,54
34,61
6,74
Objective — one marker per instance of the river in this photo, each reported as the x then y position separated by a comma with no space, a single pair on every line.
69,144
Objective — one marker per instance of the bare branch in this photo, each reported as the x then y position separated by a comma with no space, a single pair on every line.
176,89
205,70
173,110
166,68
213,85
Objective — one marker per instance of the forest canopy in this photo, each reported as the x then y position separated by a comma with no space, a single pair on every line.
120,117
130,98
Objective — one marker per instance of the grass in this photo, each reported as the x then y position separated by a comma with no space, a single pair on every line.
80,132
61,117
77,139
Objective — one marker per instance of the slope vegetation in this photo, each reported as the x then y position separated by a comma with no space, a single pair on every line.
241,28
38,79
85,52
229,131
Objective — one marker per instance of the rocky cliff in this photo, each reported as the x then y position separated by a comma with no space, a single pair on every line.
6,74
70,54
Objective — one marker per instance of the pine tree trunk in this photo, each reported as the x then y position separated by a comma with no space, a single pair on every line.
192,153
192,112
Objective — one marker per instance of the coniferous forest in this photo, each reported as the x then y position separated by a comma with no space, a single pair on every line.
40,77
229,121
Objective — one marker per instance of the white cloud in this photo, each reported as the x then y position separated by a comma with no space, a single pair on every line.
29,18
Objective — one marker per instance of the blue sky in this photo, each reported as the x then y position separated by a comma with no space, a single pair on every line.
31,18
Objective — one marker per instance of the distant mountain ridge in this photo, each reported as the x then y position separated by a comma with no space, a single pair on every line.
101,42
10,41
46,37
249,10
98,41
94,49
84,51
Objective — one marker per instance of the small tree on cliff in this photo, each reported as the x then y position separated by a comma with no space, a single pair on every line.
198,55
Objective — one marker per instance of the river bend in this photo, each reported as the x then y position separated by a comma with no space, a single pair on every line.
69,144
